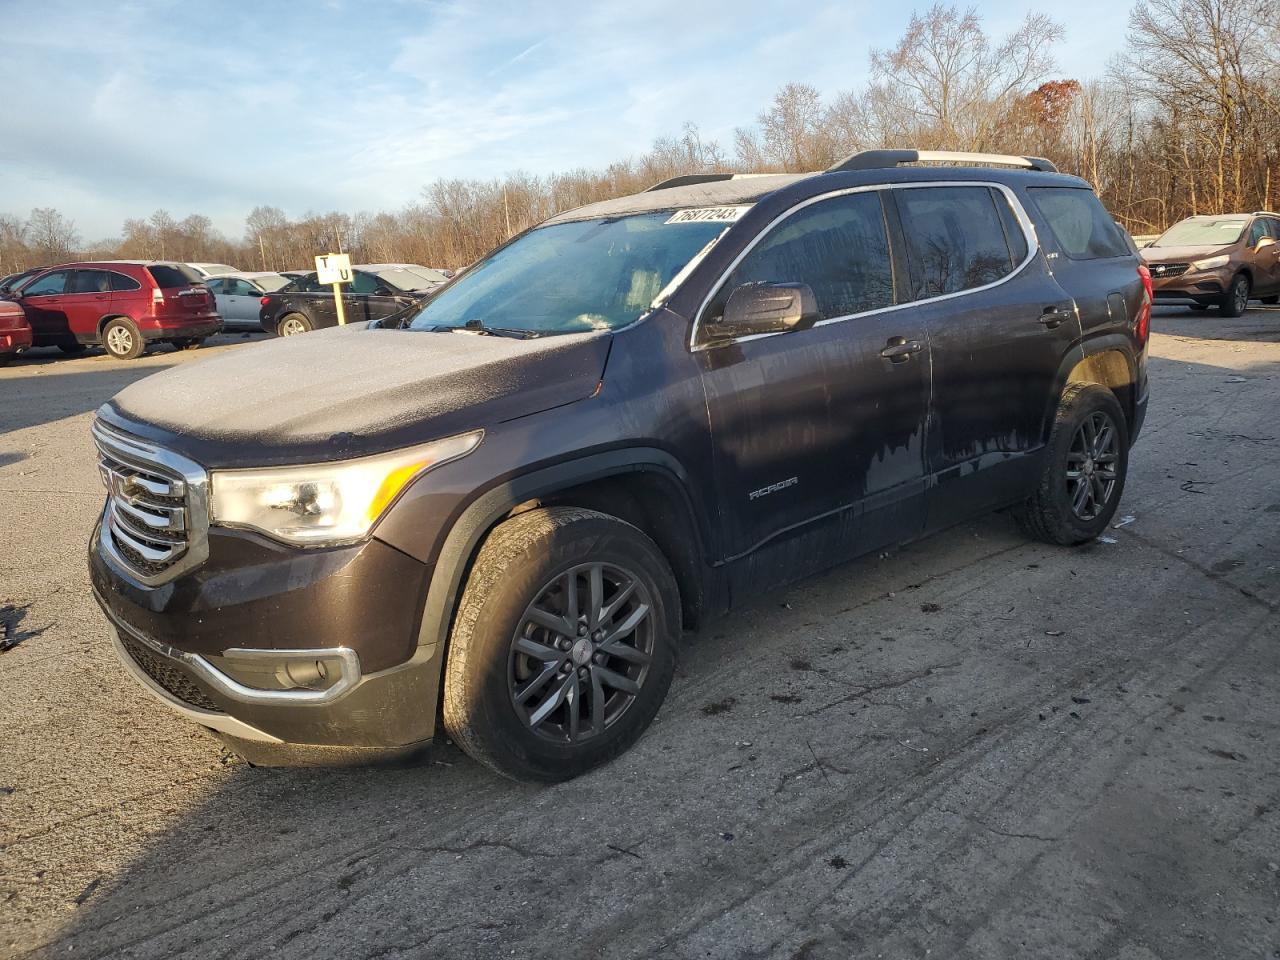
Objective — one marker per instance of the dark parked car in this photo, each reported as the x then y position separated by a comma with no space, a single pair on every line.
501,508
15,280
119,304
376,291
1222,261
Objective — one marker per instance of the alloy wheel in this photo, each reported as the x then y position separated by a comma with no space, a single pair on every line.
1092,465
581,652
291,327
1240,295
119,340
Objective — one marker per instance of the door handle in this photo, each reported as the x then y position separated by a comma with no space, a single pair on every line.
900,349
1054,317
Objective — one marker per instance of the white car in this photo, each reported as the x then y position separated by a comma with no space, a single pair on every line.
239,296
212,269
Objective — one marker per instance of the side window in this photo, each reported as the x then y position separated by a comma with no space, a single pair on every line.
955,239
49,284
88,281
1274,225
362,282
839,247
1013,235
238,288
121,282
1257,230
1080,223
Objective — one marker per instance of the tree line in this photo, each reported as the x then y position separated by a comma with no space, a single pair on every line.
1186,120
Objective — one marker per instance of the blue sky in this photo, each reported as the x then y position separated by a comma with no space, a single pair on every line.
118,109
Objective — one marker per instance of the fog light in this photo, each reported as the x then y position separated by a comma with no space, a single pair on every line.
312,674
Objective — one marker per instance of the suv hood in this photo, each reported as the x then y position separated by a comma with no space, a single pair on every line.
349,391
1182,254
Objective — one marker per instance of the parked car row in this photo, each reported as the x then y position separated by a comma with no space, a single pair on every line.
1223,261
124,305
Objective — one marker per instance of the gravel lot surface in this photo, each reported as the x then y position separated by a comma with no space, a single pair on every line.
972,747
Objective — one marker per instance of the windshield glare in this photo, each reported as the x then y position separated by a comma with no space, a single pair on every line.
406,279
1211,231
570,277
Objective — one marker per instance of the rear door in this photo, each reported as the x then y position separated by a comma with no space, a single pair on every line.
130,297
44,301
1000,329
1267,259
815,430
87,300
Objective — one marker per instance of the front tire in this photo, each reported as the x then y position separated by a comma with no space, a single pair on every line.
564,644
1236,300
1086,462
292,324
121,339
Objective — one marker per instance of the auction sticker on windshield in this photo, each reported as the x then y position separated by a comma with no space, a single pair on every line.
709,215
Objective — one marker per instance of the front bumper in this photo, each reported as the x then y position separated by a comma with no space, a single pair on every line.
1199,286
208,645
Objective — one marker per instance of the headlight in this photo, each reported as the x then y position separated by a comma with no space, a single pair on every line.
1211,263
326,503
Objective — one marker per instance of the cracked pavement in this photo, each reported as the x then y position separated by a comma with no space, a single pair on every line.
971,747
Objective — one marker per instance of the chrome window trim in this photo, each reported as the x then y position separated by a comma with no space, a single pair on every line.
140,454
1028,230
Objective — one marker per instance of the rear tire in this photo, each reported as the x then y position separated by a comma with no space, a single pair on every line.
121,339
1236,300
1084,469
536,703
292,324
72,349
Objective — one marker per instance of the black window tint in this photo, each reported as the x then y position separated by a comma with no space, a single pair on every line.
839,247
170,275
307,284
47,285
954,238
1082,226
362,282
122,282
1013,235
88,281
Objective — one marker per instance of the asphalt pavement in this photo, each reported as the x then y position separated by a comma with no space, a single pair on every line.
972,747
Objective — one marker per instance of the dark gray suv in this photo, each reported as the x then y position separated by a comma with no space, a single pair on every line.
500,510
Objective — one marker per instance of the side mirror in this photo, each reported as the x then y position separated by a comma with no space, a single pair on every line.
1264,242
766,308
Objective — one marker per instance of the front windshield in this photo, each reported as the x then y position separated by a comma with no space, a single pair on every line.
569,277
1205,232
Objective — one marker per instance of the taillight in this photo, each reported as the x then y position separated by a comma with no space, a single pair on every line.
157,296
264,301
1144,312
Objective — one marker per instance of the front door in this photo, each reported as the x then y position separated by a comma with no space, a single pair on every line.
44,302
815,431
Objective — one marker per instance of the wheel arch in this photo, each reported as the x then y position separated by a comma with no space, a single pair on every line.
646,487
1108,362
107,318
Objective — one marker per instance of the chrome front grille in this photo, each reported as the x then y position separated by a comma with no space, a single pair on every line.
156,519
1162,271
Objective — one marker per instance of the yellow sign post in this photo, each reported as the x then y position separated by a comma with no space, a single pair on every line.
335,269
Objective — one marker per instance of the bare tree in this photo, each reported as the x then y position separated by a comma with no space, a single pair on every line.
957,84
52,237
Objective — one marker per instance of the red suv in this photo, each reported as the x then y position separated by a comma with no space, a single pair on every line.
121,305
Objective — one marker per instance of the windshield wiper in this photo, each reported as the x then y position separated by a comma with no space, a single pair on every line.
476,325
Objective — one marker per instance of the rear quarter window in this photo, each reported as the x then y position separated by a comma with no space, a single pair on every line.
1079,222
120,282
169,275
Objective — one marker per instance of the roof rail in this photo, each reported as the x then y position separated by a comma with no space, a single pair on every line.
689,179
879,159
